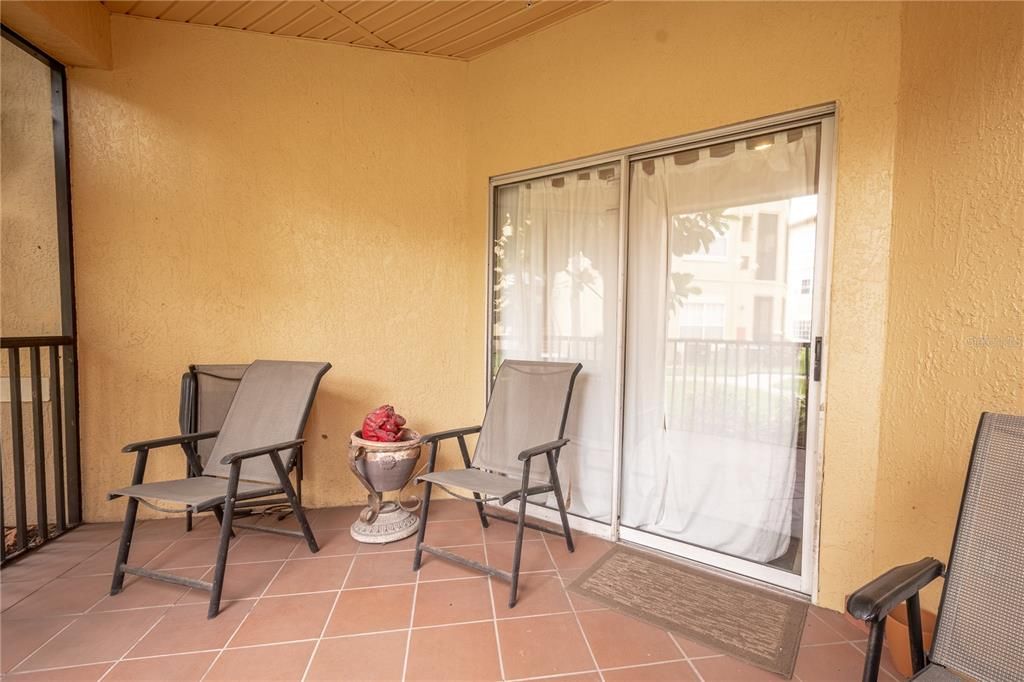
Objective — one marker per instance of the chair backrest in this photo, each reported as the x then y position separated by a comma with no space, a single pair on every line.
270,406
981,617
206,395
528,406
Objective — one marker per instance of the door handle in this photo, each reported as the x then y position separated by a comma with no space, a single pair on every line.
817,358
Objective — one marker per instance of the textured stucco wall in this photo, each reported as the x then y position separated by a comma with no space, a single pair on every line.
627,73
231,189
29,275
955,343
243,196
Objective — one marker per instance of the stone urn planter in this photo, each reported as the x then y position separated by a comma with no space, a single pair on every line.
384,467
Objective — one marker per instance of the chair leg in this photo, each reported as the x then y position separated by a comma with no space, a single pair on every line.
464,450
517,554
300,515
553,468
225,540
480,511
293,500
188,521
222,557
417,559
873,657
218,513
917,656
130,514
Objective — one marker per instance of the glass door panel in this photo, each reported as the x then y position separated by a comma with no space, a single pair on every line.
722,244
555,297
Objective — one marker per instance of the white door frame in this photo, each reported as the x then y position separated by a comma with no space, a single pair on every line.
825,114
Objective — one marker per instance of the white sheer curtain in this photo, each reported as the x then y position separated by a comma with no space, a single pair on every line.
723,488
555,298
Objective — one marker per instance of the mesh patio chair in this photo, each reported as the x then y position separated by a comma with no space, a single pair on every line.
979,633
516,456
250,458
206,395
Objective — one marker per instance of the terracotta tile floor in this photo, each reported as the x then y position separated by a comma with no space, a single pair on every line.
352,612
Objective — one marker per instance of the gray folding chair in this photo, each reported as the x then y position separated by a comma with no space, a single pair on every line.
979,633
206,395
525,419
250,459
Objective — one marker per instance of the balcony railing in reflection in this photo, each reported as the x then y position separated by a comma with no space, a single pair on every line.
752,390
553,348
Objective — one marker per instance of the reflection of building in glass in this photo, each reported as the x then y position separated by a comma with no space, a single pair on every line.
755,281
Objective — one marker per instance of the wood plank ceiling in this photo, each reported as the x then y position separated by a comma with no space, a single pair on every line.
444,28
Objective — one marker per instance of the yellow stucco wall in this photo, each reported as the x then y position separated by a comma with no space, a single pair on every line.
228,189
955,342
629,73
29,274
243,196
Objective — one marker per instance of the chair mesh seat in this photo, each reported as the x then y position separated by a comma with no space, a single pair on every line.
486,483
194,492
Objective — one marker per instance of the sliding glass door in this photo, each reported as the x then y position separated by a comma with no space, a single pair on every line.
688,280
722,244
555,297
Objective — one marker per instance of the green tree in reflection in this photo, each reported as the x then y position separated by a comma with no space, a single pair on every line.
691,233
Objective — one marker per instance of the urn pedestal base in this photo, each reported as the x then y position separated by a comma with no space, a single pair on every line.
392,523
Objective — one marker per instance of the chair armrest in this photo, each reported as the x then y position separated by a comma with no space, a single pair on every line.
452,433
542,449
170,440
266,450
875,600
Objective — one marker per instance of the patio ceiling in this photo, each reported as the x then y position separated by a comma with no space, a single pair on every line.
444,28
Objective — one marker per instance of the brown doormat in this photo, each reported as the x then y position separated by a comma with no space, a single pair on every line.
756,625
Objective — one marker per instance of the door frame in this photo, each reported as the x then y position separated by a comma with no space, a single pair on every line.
824,114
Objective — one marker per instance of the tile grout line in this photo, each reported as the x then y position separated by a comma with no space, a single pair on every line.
494,614
268,561
689,662
14,669
412,617
649,664
575,614
555,571
74,617
242,622
135,643
330,614
13,674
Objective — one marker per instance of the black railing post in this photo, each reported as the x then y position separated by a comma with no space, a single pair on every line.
72,466
64,487
57,431
17,450
38,444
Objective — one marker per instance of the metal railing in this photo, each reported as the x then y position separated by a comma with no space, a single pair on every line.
754,390
40,478
554,348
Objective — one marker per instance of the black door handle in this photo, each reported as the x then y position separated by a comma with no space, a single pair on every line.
817,358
